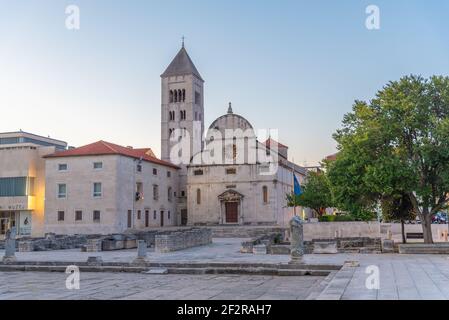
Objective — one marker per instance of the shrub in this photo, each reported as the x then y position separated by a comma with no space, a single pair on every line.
332,218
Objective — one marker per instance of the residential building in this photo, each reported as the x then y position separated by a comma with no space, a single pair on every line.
104,188
22,181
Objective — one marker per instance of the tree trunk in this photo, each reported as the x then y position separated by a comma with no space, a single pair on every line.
404,238
426,222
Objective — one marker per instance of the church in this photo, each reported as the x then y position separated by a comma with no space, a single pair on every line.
230,174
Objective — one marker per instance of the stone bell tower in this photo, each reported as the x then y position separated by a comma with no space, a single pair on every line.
182,113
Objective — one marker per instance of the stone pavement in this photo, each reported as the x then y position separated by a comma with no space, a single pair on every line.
401,276
221,250
43,286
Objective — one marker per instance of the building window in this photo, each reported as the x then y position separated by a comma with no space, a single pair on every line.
16,186
197,98
62,190
183,95
98,165
198,196
231,171
139,191
97,216
171,96
154,215
265,194
130,218
78,215
168,215
155,192
155,171
168,174
139,214
60,215
97,189
198,172
139,168
170,194
62,167
183,193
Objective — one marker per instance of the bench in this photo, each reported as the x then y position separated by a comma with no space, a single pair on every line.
415,235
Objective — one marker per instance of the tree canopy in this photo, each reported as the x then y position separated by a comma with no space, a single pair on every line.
397,143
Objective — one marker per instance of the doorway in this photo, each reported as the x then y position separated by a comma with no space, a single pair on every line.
7,221
183,217
231,212
3,226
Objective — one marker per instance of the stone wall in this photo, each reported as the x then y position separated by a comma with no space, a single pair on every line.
182,240
329,230
245,231
53,242
344,245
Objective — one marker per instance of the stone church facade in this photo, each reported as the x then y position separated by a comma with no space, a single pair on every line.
229,177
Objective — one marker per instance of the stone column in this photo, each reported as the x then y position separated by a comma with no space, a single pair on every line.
141,252
10,246
297,240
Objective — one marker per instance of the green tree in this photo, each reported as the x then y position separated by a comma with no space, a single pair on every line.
398,207
316,193
397,143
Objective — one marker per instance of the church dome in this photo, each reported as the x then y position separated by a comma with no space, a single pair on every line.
230,121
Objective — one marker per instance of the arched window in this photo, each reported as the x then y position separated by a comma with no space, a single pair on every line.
179,95
185,115
171,96
265,194
180,115
176,96
198,196
183,95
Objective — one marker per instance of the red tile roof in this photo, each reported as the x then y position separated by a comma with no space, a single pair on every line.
332,157
106,148
274,142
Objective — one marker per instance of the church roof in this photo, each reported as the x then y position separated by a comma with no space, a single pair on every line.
101,148
273,142
181,65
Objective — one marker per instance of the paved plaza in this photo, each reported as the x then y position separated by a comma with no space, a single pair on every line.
42,285
400,277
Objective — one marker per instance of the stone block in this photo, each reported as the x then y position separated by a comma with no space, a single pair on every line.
325,247
157,271
94,245
26,246
260,249
422,248
94,261
387,246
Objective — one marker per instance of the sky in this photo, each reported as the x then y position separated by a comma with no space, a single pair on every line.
296,66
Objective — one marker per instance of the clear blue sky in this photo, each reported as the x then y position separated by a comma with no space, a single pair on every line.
292,65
